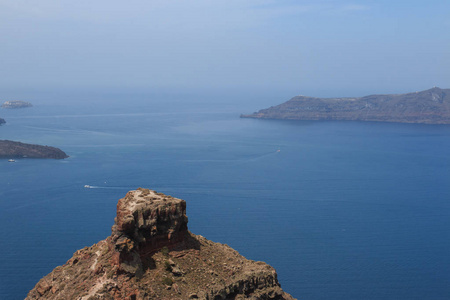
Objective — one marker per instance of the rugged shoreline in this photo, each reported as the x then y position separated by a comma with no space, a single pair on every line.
428,107
12,149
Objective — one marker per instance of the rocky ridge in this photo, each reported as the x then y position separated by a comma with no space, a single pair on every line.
430,107
152,255
11,149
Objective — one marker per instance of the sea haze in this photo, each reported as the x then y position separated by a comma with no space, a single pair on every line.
345,210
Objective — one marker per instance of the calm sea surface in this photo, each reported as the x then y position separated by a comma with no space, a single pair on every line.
345,210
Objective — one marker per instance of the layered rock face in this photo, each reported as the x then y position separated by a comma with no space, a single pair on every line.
146,222
152,255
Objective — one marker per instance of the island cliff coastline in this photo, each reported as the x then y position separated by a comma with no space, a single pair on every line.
429,107
152,255
12,149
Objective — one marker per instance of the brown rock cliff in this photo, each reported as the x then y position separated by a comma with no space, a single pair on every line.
152,255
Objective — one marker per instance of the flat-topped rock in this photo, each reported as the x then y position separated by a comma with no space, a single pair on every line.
146,221
152,255
145,213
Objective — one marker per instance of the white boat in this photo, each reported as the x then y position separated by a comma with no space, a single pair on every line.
11,160
87,186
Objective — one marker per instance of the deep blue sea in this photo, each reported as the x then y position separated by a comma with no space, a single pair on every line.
345,210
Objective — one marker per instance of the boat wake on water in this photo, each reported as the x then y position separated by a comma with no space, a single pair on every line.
107,187
264,155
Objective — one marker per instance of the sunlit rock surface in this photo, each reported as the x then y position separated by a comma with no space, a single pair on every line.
152,255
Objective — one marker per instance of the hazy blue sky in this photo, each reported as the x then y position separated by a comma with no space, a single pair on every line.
311,47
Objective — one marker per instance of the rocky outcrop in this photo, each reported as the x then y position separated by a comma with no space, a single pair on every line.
430,107
152,255
146,222
16,104
11,149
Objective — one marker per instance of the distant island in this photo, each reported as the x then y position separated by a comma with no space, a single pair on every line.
16,104
429,107
2,121
11,149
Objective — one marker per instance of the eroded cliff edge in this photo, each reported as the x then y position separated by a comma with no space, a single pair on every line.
152,255
429,107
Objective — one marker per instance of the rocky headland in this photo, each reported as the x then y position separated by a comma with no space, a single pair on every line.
11,149
430,107
152,255
16,104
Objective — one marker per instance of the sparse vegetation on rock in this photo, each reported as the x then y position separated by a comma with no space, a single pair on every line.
133,262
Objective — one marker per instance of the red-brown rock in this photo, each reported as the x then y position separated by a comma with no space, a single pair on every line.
152,255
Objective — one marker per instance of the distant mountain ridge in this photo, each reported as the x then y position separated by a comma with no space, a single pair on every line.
429,107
